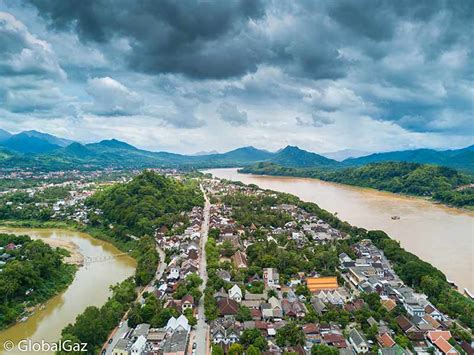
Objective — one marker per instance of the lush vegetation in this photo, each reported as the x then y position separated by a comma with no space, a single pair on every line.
140,206
34,273
94,324
426,278
147,260
440,183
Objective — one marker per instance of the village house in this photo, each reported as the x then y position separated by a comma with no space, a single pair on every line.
271,277
235,293
358,341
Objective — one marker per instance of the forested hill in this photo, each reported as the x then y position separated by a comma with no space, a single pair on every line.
442,184
147,201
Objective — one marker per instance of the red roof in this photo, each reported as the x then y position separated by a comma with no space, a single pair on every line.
385,340
227,306
434,335
443,345
310,328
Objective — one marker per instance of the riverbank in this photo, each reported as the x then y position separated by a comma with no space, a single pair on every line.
438,234
89,287
97,233
46,273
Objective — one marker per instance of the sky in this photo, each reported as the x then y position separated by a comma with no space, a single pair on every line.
188,76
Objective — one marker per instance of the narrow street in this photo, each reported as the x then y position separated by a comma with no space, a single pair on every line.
119,332
202,329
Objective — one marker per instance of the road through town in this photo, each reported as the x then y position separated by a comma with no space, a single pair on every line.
202,328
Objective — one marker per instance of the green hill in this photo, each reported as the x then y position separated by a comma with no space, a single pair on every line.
148,201
292,156
461,159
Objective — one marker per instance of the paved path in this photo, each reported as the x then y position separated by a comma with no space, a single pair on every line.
202,328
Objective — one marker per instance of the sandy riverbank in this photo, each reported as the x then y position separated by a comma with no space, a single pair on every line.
76,256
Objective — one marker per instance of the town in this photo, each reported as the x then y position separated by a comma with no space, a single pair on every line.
255,310
255,272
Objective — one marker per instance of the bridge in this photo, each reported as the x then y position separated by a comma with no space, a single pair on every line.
101,258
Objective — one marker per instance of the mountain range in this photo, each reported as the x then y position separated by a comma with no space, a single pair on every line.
33,149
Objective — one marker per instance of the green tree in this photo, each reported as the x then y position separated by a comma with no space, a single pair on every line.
236,349
290,335
323,350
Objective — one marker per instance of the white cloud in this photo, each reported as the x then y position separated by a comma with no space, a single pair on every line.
112,98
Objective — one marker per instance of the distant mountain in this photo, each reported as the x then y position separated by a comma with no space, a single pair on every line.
292,156
344,154
461,159
4,135
113,144
245,154
25,144
32,149
32,142
48,138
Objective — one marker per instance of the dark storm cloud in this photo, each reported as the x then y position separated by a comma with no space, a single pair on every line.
406,62
199,39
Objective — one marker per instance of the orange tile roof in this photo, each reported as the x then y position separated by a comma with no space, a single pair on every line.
385,340
444,346
434,335
389,304
321,283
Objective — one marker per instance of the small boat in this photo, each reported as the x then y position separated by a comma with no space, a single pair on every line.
24,319
395,217
468,294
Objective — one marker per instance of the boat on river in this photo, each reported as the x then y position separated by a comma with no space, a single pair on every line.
395,217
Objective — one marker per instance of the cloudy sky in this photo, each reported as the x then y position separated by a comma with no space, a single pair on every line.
189,76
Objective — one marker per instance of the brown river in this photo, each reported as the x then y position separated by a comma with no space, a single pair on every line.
89,288
440,235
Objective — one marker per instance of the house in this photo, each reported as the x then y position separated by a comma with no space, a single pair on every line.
335,297
405,324
141,330
316,284
385,340
433,312
271,277
121,348
227,307
155,338
174,274
138,347
235,293
179,324
358,342
224,332
240,260
293,308
187,302
389,304
176,344
440,342
318,305
272,309
334,339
